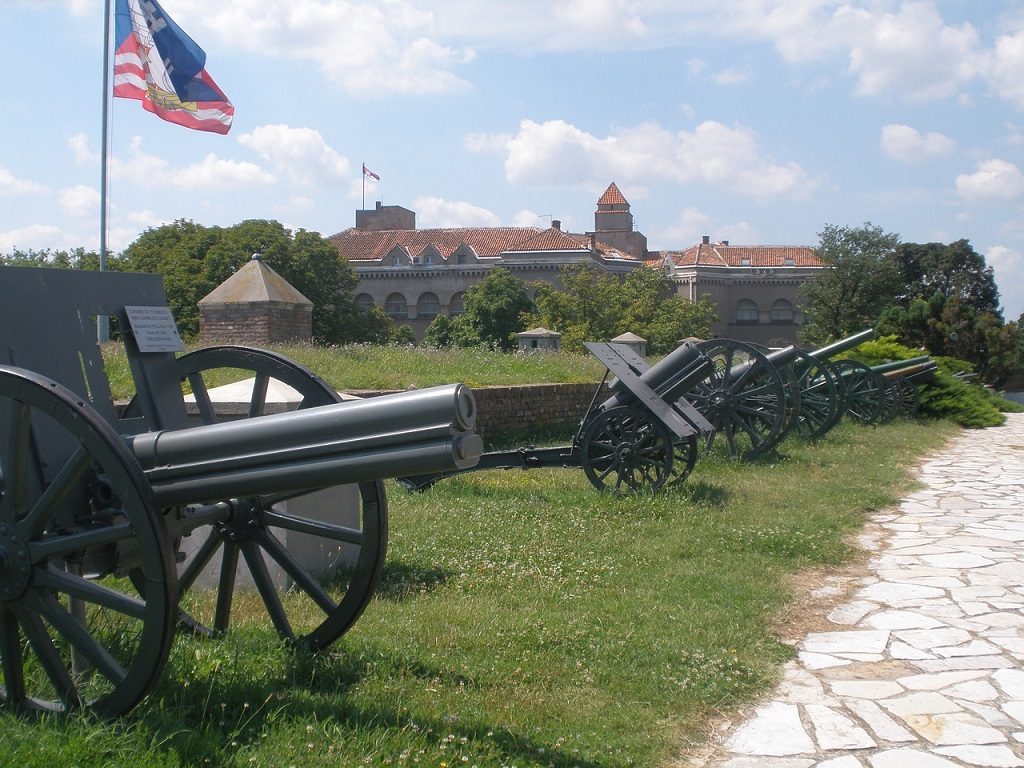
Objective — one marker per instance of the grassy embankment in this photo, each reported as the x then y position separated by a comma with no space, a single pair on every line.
524,620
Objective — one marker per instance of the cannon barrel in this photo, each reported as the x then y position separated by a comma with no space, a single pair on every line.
899,365
416,432
917,373
838,347
671,377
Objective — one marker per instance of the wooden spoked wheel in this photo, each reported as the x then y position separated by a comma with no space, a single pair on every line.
310,561
744,398
626,450
75,511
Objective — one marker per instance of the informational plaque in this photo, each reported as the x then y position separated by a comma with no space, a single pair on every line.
154,329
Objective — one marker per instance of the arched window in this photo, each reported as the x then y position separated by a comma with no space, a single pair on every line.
746,312
364,301
428,305
456,305
782,311
396,307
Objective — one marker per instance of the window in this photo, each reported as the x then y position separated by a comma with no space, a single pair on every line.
746,312
456,306
789,261
782,311
364,301
460,259
396,260
428,305
396,307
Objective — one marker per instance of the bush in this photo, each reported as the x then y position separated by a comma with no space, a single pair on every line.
947,395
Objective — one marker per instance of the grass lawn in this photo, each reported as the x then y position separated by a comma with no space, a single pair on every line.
524,620
359,367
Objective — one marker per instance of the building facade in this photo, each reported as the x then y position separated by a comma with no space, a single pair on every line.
417,274
755,288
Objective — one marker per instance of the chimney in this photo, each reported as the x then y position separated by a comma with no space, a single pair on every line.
593,241
556,224
725,242
705,240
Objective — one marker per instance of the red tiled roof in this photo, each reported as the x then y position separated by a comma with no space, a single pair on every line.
553,240
719,255
368,245
612,196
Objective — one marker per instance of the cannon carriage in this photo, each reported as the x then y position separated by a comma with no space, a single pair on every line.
108,520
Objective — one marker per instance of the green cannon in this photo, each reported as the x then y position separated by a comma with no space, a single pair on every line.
109,518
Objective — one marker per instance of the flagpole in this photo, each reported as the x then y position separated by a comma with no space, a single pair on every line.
363,174
102,321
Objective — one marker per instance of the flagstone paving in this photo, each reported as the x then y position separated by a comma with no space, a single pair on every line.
922,666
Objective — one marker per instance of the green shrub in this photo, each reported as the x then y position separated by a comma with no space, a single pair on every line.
946,394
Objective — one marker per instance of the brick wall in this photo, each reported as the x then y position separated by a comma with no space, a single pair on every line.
528,408
255,323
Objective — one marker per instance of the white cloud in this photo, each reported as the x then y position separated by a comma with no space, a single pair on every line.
601,18
557,152
369,49
994,180
692,224
11,185
1008,263
210,172
732,76
79,201
527,218
911,146
300,153
912,52
1007,64
37,237
437,212
85,155
213,171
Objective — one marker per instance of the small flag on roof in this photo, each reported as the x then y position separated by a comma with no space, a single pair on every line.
157,63
371,174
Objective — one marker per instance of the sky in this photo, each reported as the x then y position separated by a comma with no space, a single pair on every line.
754,121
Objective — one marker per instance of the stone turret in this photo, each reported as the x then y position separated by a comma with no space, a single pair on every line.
255,306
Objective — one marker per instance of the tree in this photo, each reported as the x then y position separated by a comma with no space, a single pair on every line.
952,270
598,307
862,280
949,304
194,260
76,258
494,312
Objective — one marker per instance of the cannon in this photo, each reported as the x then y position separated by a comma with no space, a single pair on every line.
109,518
640,439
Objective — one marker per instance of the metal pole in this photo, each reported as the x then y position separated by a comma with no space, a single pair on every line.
102,321
363,174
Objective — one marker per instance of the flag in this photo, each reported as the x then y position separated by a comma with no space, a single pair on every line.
371,174
157,63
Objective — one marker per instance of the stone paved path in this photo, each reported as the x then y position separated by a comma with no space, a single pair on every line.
923,666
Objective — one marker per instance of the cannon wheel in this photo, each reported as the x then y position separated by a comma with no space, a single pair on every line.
744,398
865,391
315,609
822,396
626,450
910,398
684,457
71,635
